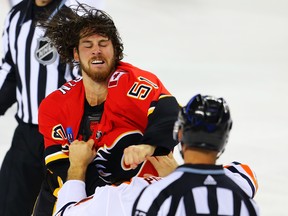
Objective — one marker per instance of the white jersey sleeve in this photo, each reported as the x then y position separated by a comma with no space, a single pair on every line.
243,176
71,192
107,200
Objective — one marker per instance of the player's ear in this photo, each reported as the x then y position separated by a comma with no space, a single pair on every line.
76,55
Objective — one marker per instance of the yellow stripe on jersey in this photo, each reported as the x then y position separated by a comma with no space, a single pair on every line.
151,109
163,96
55,156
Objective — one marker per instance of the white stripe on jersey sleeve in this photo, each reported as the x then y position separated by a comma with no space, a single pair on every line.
180,209
243,176
164,209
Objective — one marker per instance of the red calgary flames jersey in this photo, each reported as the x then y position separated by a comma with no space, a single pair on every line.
138,110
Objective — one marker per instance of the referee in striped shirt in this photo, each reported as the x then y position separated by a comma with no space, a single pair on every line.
30,70
199,186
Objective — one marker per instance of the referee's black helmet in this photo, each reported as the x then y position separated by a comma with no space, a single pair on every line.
205,122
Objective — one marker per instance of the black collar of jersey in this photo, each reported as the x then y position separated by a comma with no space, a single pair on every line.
31,11
42,13
88,109
91,115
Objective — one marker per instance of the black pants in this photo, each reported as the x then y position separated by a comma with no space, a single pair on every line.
22,172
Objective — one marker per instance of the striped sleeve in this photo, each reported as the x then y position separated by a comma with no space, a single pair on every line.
243,176
31,68
7,72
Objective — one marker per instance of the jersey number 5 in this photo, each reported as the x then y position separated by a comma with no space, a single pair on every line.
141,90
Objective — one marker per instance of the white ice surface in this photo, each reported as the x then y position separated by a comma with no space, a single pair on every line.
234,49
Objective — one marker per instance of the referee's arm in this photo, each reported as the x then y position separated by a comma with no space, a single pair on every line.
7,82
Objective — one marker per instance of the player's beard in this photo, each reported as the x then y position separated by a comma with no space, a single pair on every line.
98,76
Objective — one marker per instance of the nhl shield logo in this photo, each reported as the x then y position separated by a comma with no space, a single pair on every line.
45,53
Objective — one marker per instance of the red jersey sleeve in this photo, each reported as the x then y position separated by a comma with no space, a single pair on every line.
61,109
148,105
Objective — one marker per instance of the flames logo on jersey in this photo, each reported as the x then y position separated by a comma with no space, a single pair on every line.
45,53
109,158
58,132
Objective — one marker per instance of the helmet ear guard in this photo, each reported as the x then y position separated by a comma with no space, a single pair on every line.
205,122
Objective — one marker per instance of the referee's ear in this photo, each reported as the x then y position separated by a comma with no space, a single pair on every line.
182,149
180,135
180,144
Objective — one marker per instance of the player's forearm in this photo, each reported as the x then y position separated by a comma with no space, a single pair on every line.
76,173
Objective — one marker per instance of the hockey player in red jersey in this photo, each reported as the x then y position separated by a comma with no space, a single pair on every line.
125,111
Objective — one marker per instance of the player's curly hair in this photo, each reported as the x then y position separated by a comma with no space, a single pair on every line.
71,24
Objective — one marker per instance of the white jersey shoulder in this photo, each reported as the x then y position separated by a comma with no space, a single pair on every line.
107,200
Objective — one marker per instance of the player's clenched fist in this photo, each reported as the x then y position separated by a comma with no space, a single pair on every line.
136,154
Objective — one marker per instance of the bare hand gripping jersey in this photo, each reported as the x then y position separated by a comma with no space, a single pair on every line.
138,110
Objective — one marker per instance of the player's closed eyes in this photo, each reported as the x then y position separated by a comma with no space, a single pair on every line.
87,44
104,43
90,44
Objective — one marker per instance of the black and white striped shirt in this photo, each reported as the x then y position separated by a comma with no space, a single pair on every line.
31,67
198,190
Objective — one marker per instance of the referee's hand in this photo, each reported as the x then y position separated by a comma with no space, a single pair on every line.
164,165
